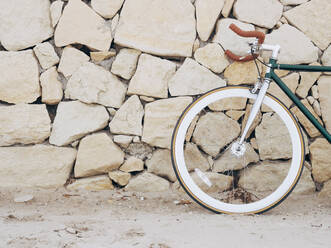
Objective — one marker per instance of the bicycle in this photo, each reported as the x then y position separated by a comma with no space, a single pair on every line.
222,150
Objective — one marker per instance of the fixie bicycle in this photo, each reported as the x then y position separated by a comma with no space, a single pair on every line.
238,149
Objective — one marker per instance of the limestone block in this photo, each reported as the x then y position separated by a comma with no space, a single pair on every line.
93,84
212,56
51,87
22,87
152,76
24,23
125,63
160,164
296,47
242,73
207,13
313,18
24,124
72,28
97,154
230,40
132,164
147,182
193,79
36,166
71,60
56,11
128,119
159,27
74,120
120,177
46,55
255,12
106,8
225,130
320,151
324,89
92,183
160,119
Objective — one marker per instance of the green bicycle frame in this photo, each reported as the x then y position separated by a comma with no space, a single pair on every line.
272,75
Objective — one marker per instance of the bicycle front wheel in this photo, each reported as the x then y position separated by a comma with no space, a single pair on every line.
226,177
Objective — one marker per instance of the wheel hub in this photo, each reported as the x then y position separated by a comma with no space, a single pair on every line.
238,149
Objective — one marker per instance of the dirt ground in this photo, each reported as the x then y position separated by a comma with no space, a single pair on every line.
117,219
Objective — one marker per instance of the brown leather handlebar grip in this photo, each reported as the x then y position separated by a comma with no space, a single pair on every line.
259,35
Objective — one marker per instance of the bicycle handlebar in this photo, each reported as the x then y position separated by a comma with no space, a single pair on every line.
259,35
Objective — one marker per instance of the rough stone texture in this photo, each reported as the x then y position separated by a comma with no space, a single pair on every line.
320,151
292,2
313,18
273,138
161,165
207,13
255,12
224,131
296,47
24,124
228,161
128,119
56,11
219,182
148,182
106,8
101,56
235,114
194,158
46,55
264,177
326,190
120,177
35,166
193,79
212,56
152,76
51,87
292,81
306,184
22,87
71,60
308,126
77,17
139,150
230,40
132,164
24,24
97,154
160,119
317,108
324,89
93,84
326,58
75,119
146,26
123,140
230,103
114,23
307,80
242,73
227,7
314,92
92,183
125,63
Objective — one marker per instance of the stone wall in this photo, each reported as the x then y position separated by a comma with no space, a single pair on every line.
91,90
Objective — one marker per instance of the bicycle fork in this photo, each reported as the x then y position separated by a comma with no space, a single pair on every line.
255,109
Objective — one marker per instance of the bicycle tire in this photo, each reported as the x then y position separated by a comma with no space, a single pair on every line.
190,180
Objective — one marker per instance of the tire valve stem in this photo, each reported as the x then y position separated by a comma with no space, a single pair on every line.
203,177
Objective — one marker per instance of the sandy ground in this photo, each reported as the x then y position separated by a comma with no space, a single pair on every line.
59,218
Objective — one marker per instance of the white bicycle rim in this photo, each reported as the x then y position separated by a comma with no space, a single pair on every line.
206,200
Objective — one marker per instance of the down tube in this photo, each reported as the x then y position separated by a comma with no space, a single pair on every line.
303,109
